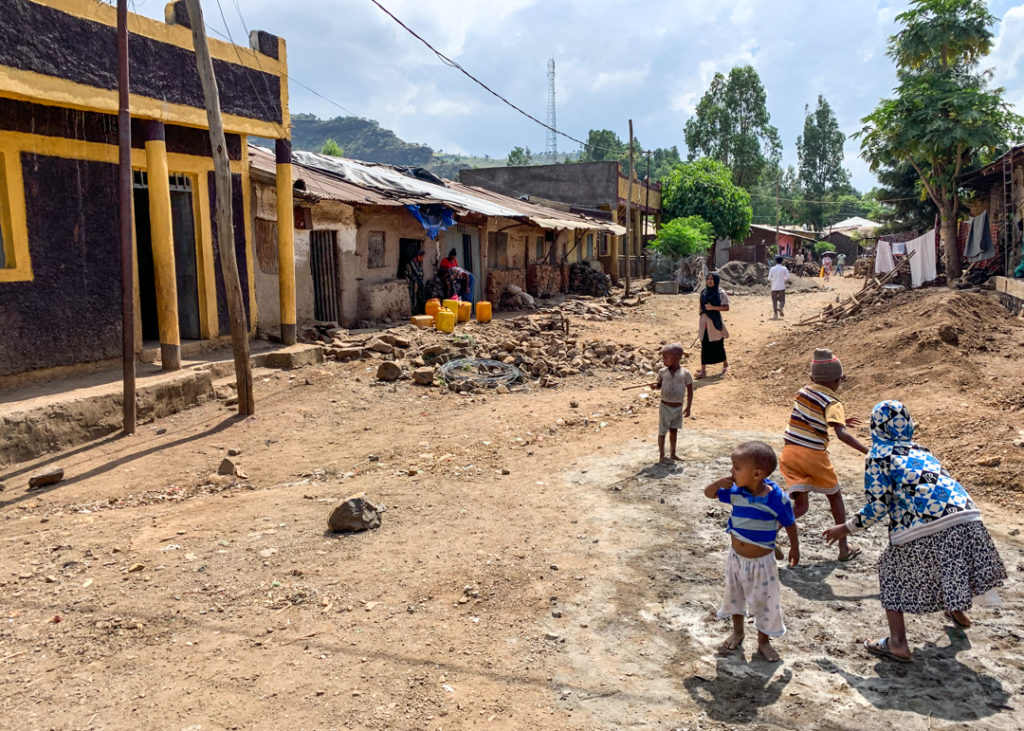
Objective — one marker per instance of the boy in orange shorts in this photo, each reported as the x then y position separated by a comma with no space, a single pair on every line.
804,461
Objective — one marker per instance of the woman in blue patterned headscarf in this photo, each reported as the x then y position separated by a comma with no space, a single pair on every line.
940,556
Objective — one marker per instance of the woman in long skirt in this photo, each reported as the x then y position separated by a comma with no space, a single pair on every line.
711,329
940,556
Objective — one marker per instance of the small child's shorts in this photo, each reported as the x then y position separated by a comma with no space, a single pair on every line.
753,583
807,470
669,417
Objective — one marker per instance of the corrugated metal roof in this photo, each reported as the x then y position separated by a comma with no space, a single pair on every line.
360,183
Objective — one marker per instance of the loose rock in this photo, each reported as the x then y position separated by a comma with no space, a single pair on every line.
423,376
227,467
388,370
47,477
355,514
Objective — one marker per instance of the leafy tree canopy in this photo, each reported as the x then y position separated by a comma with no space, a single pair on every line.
682,237
603,144
332,148
820,154
732,125
705,188
943,113
519,157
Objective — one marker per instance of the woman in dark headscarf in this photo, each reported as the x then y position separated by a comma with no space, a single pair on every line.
711,329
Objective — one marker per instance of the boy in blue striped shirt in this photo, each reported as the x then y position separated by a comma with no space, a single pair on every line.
759,507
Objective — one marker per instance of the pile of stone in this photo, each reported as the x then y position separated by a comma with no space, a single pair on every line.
514,298
542,346
584,279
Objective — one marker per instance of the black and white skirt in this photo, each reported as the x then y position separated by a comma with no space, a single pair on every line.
943,571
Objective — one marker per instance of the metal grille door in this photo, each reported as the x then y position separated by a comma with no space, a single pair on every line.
324,268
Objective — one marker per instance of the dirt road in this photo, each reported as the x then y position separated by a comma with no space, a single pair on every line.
534,568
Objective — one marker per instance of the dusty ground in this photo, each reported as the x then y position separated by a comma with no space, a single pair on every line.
576,591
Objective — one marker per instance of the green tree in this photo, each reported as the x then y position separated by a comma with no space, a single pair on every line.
907,204
732,125
603,144
704,188
820,155
943,114
682,237
519,157
332,148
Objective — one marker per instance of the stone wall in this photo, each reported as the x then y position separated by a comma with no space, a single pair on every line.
543,280
380,301
499,279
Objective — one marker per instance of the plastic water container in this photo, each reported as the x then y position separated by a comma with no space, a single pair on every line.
444,321
465,311
423,321
452,305
433,305
483,311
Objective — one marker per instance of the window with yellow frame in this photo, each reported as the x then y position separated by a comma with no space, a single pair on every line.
14,258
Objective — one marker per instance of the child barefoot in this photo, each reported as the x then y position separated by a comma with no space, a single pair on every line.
674,382
940,556
804,460
759,507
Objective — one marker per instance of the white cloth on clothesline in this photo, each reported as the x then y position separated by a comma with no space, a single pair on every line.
922,263
883,258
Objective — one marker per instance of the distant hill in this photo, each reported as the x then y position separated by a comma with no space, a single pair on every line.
361,139
365,139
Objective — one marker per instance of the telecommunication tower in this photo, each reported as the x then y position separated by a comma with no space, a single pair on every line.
552,143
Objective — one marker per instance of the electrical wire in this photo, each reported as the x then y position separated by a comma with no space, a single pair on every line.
455,65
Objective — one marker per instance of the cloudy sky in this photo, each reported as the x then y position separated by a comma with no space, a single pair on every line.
647,59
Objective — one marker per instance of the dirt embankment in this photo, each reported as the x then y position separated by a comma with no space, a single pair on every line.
952,357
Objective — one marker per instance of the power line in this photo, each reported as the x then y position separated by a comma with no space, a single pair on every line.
806,200
455,65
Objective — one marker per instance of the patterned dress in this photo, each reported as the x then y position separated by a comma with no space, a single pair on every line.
940,555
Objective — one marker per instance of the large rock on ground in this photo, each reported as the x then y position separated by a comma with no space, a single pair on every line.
379,346
355,514
388,370
49,476
423,376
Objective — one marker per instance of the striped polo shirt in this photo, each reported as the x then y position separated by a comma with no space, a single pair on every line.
814,408
756,520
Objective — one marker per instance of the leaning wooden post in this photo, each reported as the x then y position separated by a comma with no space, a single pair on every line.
225,238
629,209
124,135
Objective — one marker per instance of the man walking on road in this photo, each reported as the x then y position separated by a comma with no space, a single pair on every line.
778,275
840,264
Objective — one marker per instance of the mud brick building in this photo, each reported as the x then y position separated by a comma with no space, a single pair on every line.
60,302
591,188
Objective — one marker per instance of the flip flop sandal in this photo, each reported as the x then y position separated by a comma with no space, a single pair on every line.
850,556
880,648
952,618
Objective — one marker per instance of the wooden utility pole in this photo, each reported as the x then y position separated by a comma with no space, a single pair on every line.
124,172
629,209
225,239
778,213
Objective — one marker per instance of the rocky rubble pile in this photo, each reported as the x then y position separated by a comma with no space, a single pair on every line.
542,346
584,279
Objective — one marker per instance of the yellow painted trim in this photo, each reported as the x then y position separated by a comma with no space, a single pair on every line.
285,243
162,240
101,152
286,115
14,218
249,254
35,87
208,325
137,318
176,35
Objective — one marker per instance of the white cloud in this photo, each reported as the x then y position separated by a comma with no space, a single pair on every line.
650,60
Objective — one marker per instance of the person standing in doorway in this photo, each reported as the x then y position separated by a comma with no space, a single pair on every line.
412,271
778,275
711,328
